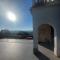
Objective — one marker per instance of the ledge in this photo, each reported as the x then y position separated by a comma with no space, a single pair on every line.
45,4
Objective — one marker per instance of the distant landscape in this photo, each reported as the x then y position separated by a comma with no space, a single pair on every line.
16,34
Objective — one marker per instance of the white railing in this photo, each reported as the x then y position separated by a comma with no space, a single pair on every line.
45,2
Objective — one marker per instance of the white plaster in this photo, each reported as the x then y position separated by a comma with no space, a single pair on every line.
47,15
55,45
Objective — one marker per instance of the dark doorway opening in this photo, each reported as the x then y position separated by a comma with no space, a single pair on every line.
46,36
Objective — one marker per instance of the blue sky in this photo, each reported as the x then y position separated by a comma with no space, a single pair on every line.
21,8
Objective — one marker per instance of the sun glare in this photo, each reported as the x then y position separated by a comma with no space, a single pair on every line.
11,16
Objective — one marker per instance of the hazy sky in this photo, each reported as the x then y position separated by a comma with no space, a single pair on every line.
21,8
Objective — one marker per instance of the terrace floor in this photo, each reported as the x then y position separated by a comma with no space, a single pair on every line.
22,49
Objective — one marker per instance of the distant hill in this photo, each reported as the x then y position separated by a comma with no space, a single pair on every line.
15,34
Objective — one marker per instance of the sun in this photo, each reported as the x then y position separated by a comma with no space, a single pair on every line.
11,16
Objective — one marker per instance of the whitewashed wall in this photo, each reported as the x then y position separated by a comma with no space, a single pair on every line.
47,15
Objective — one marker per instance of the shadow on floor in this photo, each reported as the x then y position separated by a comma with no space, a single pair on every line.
48,45
40,56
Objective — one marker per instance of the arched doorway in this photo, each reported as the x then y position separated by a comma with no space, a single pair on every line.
46,36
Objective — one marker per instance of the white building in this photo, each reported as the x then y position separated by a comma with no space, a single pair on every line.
46,23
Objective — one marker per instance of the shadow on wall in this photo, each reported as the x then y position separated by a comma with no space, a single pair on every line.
46,36
40,56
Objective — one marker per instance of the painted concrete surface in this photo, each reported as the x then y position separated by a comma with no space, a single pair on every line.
15,49
22,49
